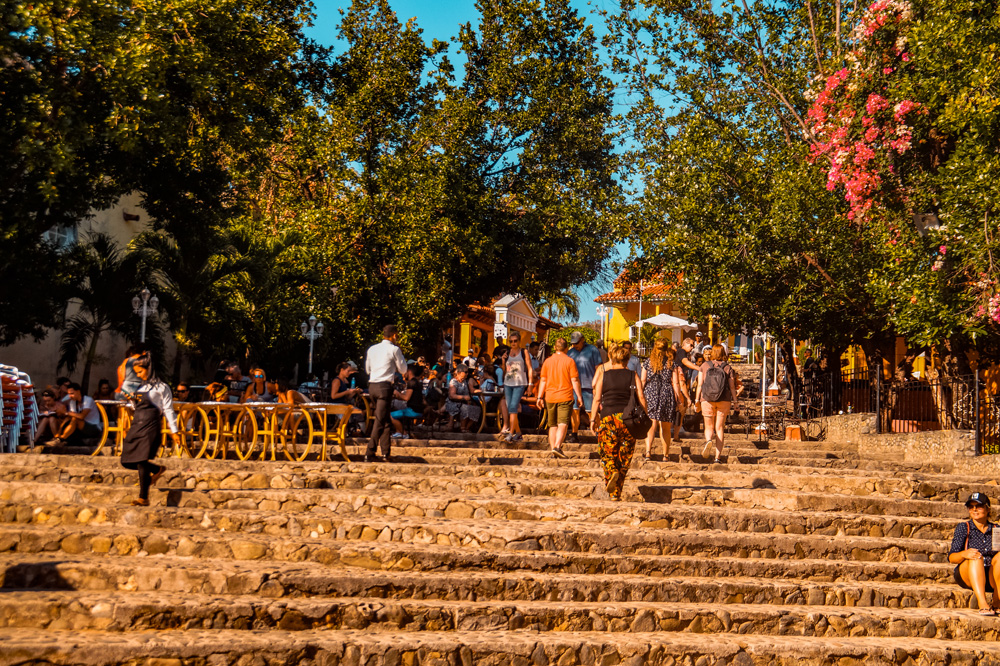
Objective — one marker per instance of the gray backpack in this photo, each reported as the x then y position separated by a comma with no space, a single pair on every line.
716,386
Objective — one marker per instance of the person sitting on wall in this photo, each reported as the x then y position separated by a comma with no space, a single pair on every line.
83,421
972,554
50,420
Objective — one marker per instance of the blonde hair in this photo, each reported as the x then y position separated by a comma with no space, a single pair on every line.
661,354
561,345
619,354
718,352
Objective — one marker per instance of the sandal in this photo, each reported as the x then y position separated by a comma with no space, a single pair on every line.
612,482
988,612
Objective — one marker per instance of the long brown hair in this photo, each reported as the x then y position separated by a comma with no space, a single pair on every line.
660,355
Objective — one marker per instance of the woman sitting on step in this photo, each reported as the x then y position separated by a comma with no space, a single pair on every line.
972,552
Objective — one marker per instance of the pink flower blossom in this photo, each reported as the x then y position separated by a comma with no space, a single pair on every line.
943,249
863,154
871,134
875,104
887,71
905,56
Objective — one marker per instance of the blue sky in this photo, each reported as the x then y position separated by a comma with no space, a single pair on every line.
440,19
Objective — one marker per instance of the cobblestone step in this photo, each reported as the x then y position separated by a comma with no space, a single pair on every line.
456,550
551,480
497,534
271,579
88,611
507,648
20,501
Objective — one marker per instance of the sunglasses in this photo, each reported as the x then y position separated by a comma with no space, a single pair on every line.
976,505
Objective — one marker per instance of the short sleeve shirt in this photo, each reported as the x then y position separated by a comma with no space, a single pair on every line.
587,361
93,417
981,541
558,372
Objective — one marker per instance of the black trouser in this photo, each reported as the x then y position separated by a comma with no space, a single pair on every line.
381,393
146,472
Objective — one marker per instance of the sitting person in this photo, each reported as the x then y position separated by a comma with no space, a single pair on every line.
972,554
460,402
83,419
104,391
256,390
342,392
409,402
50,420
285,394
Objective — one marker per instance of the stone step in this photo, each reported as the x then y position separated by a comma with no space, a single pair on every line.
460,550
89,611
458,525
72,503
512,648
199,474
274,579
60,469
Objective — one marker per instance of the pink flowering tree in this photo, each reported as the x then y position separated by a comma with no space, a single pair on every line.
886,128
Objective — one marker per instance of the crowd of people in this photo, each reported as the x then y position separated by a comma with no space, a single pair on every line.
562,388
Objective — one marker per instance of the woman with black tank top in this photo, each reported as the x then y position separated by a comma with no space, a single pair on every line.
612,391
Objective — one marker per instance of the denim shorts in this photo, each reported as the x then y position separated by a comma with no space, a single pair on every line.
406,412
588,400
513,395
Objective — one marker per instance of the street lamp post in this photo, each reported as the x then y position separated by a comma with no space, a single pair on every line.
312,329
602,312
144,307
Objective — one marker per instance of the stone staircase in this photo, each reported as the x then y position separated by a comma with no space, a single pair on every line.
466,551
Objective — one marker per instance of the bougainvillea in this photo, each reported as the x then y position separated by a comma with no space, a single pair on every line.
857,125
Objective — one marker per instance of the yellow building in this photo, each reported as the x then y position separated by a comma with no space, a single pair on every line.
481,325
629,303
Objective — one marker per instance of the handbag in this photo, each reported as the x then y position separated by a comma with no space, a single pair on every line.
634,415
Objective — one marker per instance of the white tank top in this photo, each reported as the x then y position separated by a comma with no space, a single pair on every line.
517,370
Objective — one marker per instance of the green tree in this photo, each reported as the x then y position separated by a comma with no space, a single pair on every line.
562,304
101,99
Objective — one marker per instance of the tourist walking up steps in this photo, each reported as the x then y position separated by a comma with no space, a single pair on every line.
382,363
559,385
587,359
972,554
716,395
658,387
518,376
611,396
153,401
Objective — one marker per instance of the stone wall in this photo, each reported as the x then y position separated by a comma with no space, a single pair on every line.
953,449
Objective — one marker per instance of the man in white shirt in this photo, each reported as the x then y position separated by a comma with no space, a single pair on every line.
83,420
382,363
470,358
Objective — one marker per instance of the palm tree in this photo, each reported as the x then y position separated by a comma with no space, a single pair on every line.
107,276
189,273
564,304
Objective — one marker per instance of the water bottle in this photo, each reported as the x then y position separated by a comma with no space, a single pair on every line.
849,408
353,382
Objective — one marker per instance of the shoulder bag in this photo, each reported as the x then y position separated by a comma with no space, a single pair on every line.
634,415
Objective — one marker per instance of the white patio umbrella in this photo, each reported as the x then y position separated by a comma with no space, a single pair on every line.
667,321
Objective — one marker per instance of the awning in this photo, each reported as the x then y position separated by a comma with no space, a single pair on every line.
667,321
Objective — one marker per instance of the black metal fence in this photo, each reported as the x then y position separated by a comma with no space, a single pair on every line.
914,405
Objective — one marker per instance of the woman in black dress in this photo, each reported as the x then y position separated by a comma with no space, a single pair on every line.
153,400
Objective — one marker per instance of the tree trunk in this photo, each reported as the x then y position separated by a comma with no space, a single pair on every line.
791,372
89,359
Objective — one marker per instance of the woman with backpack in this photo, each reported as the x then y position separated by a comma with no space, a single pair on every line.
717,396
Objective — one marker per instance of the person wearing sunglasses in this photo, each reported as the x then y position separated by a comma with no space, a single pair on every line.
972,554
256,390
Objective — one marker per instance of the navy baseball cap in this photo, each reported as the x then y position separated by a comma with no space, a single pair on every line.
979,498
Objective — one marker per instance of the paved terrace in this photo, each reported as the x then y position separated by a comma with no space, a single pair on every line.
465,552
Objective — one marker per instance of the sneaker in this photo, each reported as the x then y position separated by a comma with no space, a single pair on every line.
612,482
516,437
398,435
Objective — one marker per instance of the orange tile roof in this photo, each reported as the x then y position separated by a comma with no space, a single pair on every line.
627,289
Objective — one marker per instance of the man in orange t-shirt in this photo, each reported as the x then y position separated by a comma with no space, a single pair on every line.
560,383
